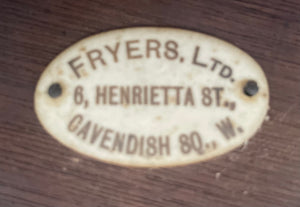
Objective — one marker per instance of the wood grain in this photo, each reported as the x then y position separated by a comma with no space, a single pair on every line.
35,170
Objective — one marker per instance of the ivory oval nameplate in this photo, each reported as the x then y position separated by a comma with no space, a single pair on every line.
152,97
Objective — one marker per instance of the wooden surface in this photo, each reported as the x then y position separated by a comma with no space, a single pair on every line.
37,171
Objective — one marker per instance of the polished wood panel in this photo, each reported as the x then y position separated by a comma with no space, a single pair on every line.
36,170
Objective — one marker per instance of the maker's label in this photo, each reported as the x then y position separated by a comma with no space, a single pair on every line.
152,97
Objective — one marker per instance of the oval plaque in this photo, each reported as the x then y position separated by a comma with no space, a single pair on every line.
152,97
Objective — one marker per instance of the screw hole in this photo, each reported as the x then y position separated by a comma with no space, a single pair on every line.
251,88
55,90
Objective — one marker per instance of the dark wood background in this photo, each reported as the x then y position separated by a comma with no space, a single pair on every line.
37,171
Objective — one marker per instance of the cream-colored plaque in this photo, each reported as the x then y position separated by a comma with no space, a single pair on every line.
152,97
